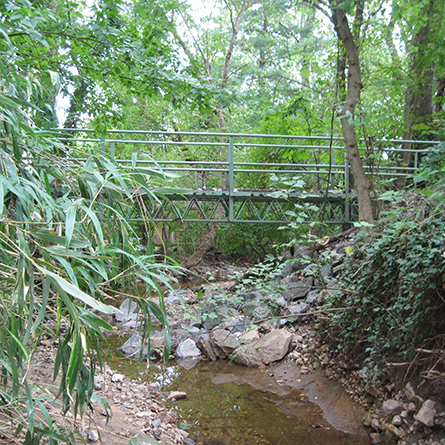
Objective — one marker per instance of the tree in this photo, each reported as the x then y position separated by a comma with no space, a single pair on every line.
348,36
64,241
423,47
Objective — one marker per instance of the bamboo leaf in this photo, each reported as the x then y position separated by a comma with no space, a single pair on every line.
96,223
76,292
52,237
70,222
29,407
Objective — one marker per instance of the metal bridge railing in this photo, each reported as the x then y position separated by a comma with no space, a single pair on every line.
232,169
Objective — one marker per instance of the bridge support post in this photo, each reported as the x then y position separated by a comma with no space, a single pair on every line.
230,177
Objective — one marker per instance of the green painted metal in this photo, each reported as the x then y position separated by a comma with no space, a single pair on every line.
215,182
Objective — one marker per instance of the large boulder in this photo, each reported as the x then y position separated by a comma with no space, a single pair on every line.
270,348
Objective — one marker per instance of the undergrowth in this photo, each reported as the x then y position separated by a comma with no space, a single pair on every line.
395,300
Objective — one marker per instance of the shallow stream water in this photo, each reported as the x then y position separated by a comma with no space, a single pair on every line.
236,405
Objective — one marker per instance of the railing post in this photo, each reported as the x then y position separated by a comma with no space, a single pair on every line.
102,144
112,149
230,177
347,207
333,169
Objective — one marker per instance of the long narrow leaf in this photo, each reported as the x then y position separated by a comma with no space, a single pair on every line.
76,292
70,222
96,223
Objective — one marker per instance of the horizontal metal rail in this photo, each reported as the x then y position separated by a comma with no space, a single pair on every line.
218,169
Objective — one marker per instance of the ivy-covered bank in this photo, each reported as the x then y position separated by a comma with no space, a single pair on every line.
394,294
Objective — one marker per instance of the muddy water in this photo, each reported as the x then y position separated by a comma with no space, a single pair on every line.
236,405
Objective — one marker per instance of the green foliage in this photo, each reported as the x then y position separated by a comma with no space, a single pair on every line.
395,283
64,245
432,172
250,241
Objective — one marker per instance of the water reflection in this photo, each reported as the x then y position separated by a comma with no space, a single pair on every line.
231,404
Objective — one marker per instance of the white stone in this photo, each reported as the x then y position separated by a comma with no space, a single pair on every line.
188,350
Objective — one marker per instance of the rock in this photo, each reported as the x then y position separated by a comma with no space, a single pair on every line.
298,289
176,395
117,378
311,297
206,347
93,436
223,342
301,258
249,306
166,417
392,429
426,413
177,296
250,336
132,347
236,324
298,308
188,350
260,313
126,311
276,300
411,395
327,271
367,419
270,348
397,420
375,438
375,424
269,325
193,330
216,316
392,407
412,408
158,433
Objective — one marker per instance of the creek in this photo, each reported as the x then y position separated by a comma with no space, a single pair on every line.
237,405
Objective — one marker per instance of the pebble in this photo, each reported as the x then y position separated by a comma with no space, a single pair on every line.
117,378
375,438
93,436
397,420
176,395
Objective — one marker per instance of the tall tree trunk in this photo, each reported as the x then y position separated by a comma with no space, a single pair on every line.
347,111
419,92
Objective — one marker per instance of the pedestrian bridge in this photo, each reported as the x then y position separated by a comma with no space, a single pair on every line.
247,178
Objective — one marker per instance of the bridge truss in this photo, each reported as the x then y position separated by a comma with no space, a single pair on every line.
315,185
